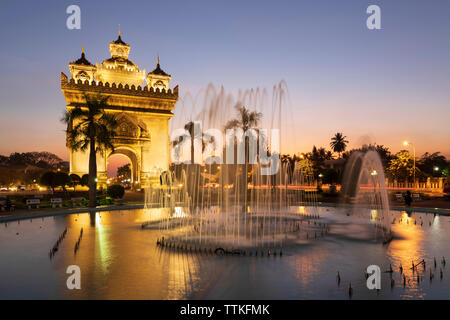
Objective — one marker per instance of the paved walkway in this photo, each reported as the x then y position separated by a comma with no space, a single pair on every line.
22,214
424,205
434,203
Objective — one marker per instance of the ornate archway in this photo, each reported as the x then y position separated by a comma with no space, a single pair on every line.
134,161
142,104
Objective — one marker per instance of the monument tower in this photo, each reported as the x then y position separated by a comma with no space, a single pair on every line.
142,109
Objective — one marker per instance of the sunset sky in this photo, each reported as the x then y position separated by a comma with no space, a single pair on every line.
380,86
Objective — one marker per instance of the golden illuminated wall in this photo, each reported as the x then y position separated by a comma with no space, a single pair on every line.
143,114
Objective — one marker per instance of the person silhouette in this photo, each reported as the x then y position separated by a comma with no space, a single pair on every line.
8,204
408,198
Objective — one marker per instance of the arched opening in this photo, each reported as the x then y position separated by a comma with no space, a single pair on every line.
122,167
117,169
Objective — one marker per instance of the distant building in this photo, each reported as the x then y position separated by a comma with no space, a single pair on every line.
336,164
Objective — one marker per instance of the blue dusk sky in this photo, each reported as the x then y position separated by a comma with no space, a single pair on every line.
380,86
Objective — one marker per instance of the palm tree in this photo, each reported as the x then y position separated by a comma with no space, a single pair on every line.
338,143
246,120
290,164
193,169
90,127
193,134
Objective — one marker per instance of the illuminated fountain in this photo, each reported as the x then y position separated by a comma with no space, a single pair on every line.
217,207
220,223
364,186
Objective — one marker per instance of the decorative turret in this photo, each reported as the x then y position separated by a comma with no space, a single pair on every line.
119,72
82,69
158,79
119,48
118,69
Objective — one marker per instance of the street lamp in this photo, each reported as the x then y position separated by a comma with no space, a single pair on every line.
436,169
406,144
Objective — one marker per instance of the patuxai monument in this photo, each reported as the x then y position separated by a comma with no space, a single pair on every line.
143,105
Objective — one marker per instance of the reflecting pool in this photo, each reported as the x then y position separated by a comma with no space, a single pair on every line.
120,260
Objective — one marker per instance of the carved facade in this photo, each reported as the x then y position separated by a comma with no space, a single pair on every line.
142,110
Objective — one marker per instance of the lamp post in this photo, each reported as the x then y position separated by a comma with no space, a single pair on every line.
406,144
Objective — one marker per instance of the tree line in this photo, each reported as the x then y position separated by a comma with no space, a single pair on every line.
399,166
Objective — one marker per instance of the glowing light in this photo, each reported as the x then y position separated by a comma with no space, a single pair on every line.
405,143
179,213
373,215
374,173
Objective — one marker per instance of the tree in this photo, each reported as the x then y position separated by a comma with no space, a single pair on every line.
192,130
317,158
84,180
62,179
383,152
75,180
44,160
7,176
115,191
48,179
245,120
338,143
193,170
446,171
433,164
124,171
401,166
290,161
194,133
90,127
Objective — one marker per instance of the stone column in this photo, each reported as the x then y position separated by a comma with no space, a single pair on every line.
441,184
102,175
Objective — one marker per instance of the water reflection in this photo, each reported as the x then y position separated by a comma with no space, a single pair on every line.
119,260
407,250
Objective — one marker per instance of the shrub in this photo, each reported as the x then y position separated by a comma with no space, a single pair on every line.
84,180
48,179
75,180
105,201
62,179
115,191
